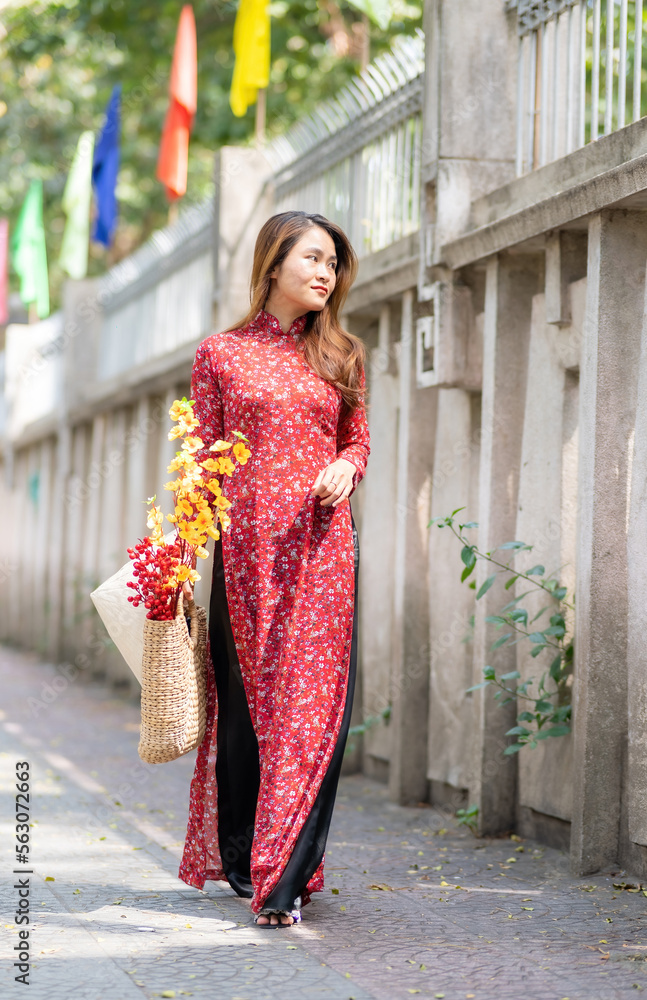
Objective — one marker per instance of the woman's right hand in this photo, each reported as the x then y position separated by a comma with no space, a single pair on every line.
187,591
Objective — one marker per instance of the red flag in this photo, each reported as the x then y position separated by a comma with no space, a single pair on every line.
4,271
183,89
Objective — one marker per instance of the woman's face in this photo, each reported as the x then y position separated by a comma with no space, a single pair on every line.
307,276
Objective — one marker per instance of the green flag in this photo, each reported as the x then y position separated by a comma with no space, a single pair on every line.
28,254
379,11
76,205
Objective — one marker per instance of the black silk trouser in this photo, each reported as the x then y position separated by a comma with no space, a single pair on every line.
237,762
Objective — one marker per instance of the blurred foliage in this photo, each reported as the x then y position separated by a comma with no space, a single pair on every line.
60,60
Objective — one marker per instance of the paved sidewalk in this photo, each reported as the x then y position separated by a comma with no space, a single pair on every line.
413,904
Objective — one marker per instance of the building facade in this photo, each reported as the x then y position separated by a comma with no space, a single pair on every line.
493,176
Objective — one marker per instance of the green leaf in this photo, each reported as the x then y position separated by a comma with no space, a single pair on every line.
500,641
544,706
525,717
536,637
536,650
537,570
485,586
496,620
457,511
514,545
560,593
470,524
467,555
489,673
516,600
519,615
477,687
539,614
511,581
512,676
557,630
558,731
466,572
518,731
555,668
513,748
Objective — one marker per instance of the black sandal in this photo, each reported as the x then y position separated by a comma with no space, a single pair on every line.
295,914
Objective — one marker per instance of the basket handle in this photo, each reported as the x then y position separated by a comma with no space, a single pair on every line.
193,612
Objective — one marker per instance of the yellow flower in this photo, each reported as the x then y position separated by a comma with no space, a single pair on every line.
183,507
183,572
180,461
155,517
192,444
179,408
194,576
174,486
214,486
188,424
241,452
190,534
225,520
204,519
172,518
220,446
201,552
211,465
213,532
226,466
222,502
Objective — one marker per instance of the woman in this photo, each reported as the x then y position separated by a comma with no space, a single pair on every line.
283,628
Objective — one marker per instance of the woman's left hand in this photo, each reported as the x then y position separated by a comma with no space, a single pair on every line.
334,483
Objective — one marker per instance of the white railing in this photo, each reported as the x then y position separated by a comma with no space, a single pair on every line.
159,297
356,160
580,66
32,383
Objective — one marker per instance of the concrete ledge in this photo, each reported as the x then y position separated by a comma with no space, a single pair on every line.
384,274
580,192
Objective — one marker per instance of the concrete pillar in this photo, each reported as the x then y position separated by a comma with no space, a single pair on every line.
608,382
511,282
454,484
377,539
545,773
410,684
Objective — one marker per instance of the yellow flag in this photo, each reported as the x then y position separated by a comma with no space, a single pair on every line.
252,52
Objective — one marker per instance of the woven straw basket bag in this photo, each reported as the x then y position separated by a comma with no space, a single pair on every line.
174,699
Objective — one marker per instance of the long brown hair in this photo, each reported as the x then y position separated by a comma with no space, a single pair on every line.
333,353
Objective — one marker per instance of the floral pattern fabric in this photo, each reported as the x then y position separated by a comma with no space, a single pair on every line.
289,572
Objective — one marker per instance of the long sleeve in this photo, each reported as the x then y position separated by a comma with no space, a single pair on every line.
353,438
208,404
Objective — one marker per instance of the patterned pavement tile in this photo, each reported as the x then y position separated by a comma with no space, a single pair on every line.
413,904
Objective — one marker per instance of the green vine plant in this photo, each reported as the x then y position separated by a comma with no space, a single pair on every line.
547,700
365,725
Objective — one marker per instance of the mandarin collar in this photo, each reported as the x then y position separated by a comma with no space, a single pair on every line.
267,321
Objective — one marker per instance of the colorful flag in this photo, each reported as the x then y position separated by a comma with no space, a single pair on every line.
379,11
172,163
105,168
4,271
77,198
28,253
252,52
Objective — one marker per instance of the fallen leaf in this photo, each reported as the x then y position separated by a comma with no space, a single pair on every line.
50,878
335,892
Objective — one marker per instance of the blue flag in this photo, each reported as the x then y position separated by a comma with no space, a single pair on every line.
105,167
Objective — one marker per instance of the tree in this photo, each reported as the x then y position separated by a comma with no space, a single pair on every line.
60,60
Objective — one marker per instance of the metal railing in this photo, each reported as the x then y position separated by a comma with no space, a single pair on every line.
580,67
159,297
356,160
